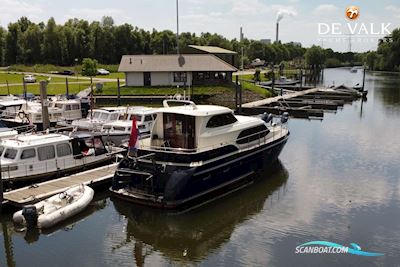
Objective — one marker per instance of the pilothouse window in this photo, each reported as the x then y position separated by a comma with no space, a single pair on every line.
46,152
10,153
221,120
28,153
252,134
63,150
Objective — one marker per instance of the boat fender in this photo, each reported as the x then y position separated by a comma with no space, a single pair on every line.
31,216
266,117
177,183
285,117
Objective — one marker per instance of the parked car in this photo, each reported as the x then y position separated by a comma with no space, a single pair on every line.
102,72
29,79
66,72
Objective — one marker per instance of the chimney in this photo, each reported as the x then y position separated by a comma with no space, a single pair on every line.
277,32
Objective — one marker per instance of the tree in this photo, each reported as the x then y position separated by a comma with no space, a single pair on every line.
12,45
315,56
89,67
2,37
51,43
371,60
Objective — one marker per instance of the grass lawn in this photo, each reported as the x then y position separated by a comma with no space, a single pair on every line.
52,89
111,89
256,89
17,78
113,75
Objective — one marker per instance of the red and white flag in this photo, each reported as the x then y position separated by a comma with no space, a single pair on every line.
134,138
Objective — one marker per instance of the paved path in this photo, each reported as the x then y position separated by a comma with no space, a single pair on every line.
95,79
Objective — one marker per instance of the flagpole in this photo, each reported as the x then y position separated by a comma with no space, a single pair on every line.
177,27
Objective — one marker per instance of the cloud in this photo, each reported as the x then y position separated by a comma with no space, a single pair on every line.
95,13
249,7
324,9
11,10
394,9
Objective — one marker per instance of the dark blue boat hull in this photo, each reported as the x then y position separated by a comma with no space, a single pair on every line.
174,186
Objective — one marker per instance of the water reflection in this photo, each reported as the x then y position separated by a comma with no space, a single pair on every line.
193,235
31,236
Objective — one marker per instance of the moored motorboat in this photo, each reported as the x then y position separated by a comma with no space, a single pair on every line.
118,132
59,110
29,157
195,151
55,209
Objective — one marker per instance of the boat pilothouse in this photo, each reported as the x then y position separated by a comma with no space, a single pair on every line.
30,113
118,132
97,117
38,156
194,151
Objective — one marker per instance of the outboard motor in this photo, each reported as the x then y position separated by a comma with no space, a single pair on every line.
31,216
266,117
285,117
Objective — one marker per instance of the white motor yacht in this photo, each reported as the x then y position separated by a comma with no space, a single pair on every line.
195,151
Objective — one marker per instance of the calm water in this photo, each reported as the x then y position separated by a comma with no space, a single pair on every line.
338,181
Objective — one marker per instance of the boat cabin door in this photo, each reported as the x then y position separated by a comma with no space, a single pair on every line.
179,130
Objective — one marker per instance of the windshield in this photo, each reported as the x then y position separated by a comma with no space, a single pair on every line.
10,153
104,116
96,115
138,117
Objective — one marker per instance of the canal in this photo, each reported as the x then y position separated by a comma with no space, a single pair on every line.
337,181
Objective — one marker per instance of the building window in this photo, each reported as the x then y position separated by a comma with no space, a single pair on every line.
221,120
180,76
46,152
28,153
63,150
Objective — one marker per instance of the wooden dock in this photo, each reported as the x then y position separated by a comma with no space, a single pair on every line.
270,100
37,192
309,103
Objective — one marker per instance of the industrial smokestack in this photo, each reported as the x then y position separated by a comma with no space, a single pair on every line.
279,17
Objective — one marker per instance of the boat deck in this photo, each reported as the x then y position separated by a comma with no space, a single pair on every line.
37,192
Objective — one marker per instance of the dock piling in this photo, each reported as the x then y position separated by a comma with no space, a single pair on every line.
66,87
45,104
118,93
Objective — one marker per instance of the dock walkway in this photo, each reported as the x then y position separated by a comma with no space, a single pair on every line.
270,100
32,194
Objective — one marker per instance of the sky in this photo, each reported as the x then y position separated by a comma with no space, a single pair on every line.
301,22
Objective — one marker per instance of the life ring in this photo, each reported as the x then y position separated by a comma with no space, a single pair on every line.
22,115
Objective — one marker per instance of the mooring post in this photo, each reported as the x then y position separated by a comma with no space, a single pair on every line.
45,104
363,81
240,98
301,79
24,93
236,91
66,87
8,88
273,77
118,93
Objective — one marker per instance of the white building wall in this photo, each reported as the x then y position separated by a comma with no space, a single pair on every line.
134,79
160,79
157,79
